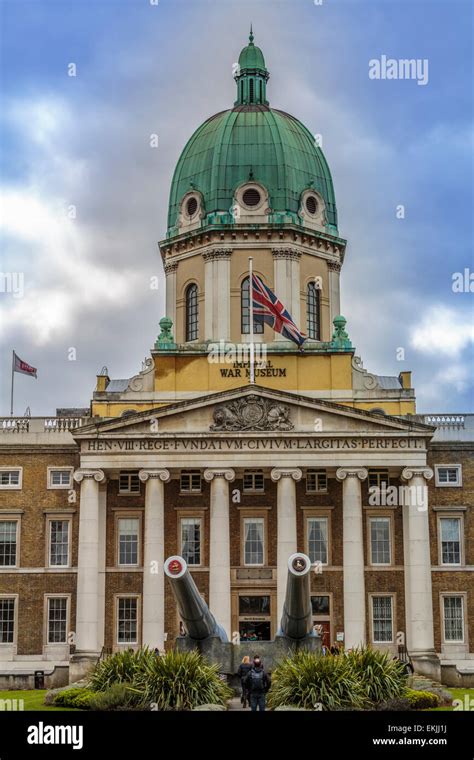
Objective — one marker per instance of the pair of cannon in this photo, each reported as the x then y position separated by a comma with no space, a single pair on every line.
296,626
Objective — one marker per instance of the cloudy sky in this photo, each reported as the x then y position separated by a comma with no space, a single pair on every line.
84,196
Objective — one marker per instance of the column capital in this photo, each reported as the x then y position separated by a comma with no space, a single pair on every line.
351,472
334,266
416,472
170,267
286,253
163,475
217,253
219,472
81,474
286,472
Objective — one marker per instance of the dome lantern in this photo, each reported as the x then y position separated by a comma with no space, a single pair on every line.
251,76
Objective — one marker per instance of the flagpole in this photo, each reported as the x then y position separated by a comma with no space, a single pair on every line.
252,346
13,377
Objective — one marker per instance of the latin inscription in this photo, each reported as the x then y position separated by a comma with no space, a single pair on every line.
255,444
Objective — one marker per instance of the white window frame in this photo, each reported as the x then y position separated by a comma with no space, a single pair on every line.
59,518
15,519
324,518
379,473
261,521
15,487
447,595
460,519
5,644
316,472
457,467
196,519
253,473
128,492
47,598
139,529
54,487
190,473
392,611
388,519
127,644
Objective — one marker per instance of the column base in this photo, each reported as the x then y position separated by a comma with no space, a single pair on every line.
427,664
81,664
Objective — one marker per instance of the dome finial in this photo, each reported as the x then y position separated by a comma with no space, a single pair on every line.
251,35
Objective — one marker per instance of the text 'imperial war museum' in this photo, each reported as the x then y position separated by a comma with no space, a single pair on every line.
189,458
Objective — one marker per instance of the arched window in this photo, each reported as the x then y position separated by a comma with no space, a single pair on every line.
245,310
192,312
313,314
251,90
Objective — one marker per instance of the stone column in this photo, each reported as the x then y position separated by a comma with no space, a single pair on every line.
286,275
286,526
334,271
217,294
416,541
153,600
88,585
219,546
353,555
170,310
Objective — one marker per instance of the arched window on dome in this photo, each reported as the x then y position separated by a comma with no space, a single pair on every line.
251,86
245,310
313,311
192,312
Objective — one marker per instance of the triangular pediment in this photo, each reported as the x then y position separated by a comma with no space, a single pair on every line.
252,410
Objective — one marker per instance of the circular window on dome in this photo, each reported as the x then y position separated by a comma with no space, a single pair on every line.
251,197
191,206
311,204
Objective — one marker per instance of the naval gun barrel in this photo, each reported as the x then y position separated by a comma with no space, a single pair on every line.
297,618
199,622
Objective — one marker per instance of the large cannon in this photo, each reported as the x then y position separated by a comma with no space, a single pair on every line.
297,617
198,621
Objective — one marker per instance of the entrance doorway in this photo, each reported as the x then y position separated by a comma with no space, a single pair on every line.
254,617
254,630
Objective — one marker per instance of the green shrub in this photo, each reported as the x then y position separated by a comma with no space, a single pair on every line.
421,700
181,681
381,676
306,680
77,697
118,696
121,667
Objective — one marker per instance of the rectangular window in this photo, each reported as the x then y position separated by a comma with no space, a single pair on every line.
382,619
448,475
254,481
318,539
57,620
377,477
59,543
453,618
7,621
8,542
10,478
380,540
450,530
127,620
253,541
254,605
128,529
190,481
129,482
320,605
59,478
191,540
316,481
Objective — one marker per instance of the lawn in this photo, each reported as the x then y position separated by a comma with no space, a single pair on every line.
466,697
33,700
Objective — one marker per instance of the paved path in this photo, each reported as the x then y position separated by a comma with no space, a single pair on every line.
235,704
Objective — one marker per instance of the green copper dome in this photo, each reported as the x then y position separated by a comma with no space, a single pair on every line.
251,143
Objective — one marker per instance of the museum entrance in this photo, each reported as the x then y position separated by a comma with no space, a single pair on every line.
254,617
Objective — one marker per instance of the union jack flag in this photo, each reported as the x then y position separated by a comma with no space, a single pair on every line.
268,308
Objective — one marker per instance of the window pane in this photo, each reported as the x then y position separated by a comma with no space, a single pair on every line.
9,477
453,618
57,620
254,605
451,541
245,311
128,541
313,311
192,312
60,477
191,540
316,480
129,482
8,543
127,621
190,481
318,539
320,605
59,543
254,480
377,477
7,621
253,550
380,540
382,618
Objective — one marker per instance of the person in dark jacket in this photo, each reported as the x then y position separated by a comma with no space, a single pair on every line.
257,683
243,671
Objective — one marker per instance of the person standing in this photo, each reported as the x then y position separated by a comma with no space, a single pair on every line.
243,671
257,683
